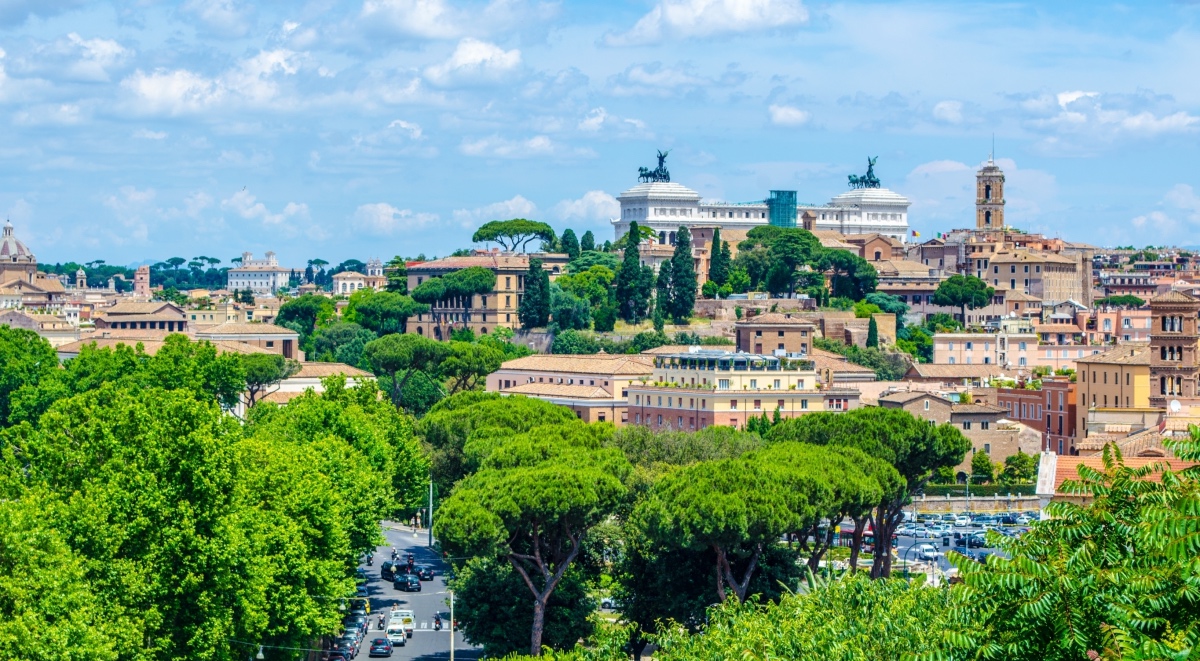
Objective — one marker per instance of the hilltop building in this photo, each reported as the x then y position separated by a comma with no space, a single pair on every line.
264,276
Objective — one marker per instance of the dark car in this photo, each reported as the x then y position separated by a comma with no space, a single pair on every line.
387,571
380,647
356,623
345,647
407,583
1009,519
352,640
338,655
425,572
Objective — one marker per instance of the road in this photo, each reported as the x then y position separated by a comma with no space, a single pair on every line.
425,643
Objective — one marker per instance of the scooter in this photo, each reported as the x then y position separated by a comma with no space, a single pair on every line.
370,560
381,622
437,623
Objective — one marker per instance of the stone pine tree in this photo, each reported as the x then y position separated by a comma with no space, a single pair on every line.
569,244
718,259
683,278
632,294
535,303
587,241
872,334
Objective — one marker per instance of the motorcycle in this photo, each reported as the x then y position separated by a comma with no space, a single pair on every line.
437,623
381,622
370,560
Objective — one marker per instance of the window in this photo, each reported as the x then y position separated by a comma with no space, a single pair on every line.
1022,346
270,344
777,384
733,404
758,405
754,383
927,405
984,425
804,404
970,346
780,333
951,360
967,424
987,448
660,419
723,384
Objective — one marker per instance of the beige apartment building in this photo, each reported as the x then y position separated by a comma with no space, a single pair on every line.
697,389
593,386
1115,379
775,332
484,312
275,339
1048,276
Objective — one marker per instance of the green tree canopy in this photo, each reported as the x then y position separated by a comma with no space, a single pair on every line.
264,370
514,233
27,360
587,241
388,312
398,356
534,311
306,311
569,244
963,292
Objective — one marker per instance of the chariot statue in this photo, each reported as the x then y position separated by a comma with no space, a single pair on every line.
646,175
868,180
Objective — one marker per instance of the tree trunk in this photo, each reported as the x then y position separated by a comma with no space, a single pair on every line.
885,524
860,528
819,549
539,625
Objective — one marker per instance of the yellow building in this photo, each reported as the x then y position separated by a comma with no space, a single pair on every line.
1116,379
697,389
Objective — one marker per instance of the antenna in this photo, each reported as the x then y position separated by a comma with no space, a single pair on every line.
992,155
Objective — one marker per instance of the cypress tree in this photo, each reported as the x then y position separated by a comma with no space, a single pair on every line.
718,260
587,241
662,290
683,278
569,244
535,304
631,295
872,334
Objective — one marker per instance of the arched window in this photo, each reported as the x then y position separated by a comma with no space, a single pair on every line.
662,237
420,331
987,217
987,192
672,238
878,255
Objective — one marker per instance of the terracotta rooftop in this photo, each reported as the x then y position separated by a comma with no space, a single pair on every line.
1067,468
234,328
490,261
1173,297
930,371
1125,354
134,307
776,319
828,360
608,364
559,390
322,370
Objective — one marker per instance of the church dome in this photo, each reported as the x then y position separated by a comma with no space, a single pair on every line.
661,190
11,248
870,197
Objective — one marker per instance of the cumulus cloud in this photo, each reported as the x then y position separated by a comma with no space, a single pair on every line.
787,115
675,19
474,61
1180,208
598,119
595,205
244,204
495,146
1076,120
437,19
950,112
73,58
381,219
253,82
412,129
515,207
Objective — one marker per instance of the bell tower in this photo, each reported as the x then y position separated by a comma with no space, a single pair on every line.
989,197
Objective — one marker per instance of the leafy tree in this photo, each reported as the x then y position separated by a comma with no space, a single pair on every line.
604,318
398,356
872,334
644,233
982,469
683,278
852,276
493,610
710,289
569,244
264,370
888,366
534,311
963,292
307,311
587,242
27,360
568,311
571,341
739,280
1125,301
387,312
1019,468
396,272
467,365
914,447
514,233
632,299
662,294
532,504
888,303
341,343
593,284
590,258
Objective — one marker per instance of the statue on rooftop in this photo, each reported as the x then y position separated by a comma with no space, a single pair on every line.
646,175
868,180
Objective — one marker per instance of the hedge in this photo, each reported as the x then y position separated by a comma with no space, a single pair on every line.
987,490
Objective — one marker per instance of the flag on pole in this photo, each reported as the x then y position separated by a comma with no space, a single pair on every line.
916,233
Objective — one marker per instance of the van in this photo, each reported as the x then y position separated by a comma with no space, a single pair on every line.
406,619
395,633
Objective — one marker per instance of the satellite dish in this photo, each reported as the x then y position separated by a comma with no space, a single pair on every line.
1175,406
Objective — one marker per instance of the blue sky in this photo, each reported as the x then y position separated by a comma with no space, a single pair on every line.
143,129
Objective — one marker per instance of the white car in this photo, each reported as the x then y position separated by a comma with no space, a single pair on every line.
927,552
962,521
1024,520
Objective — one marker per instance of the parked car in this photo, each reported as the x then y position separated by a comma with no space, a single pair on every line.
1008,520
1024,520
425,572
360,591
407,583
927,552
962,521
380,647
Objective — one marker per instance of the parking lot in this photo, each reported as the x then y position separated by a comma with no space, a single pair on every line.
964,534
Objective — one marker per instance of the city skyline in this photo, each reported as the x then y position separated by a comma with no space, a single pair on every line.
381,127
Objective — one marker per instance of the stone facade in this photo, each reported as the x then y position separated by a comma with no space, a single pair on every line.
1174,347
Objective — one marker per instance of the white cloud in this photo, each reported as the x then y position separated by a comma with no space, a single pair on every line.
222,17
382,218
515,207
949,112
63,114
474,61
655,79
788,115
147,134
498,147
244,204
1077,119
413,130
437,19
594,120
700,18
1182,205
96,57
252,82
598,119
595,205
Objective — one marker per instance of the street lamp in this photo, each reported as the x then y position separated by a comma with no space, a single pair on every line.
260,655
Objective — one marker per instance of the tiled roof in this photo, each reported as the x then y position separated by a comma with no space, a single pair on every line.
282,396
491,261
905,397
930,371
1056,328
611,364
1067,467
828,360
1173,297
234,328
1125,354
976,408
322,370
133,307
559,390
776,319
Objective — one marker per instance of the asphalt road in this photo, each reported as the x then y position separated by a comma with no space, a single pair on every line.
433,598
